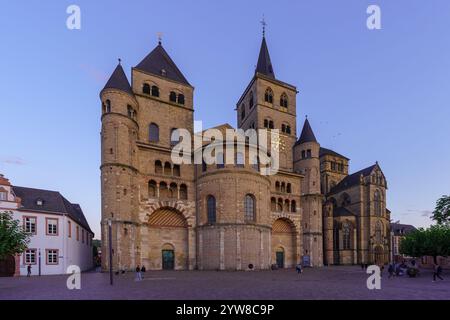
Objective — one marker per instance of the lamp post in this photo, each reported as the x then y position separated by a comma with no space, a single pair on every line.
39,262
110,251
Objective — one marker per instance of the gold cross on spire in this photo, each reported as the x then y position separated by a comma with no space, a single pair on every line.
264,24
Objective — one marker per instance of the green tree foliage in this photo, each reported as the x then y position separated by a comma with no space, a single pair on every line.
441,213
434,241
13,239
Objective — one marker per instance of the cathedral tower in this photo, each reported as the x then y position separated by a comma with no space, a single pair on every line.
306,161
269,103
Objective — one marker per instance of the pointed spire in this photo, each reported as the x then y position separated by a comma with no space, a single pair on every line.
118,80
264,65
307,134
158,62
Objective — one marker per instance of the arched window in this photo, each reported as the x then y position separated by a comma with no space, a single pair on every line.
211,209
268,95
107,106
346,236
273,204
377,201
152,189
283,187
163,190
176,170
183,192
266,123
249,208
153,132
284,101
219,160
293,206
172,96
240,159
250,103
173,190
158,167
288,129
288,188
379,232
280,205
271,126
146,88
155,91
131,112
277,186
174,136
243,112
283,128
167,169
181,98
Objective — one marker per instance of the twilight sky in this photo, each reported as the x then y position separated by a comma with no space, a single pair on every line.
371,95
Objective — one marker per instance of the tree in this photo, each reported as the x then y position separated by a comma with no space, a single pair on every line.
441,213
434,241
13,239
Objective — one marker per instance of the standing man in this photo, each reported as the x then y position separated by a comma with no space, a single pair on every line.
29,270
138,274
437,272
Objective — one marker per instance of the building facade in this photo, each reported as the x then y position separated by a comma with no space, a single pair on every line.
59,233
225,216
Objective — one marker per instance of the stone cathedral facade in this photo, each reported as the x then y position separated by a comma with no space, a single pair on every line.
227,216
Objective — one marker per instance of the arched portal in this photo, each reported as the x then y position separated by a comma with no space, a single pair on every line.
168,225
379,255
284,243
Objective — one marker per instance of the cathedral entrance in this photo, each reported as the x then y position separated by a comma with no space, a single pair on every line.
284,243
379,255
168,259
167,240
280,258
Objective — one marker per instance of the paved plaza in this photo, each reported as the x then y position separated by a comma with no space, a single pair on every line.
323,283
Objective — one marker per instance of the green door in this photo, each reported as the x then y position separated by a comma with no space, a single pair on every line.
280,259
168,259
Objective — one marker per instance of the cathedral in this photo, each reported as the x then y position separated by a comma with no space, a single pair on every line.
222,216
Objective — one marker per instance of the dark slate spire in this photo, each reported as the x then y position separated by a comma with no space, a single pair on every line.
307,134
264,65
159,63
118,80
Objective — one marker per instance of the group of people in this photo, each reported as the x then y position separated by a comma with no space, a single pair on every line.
139,272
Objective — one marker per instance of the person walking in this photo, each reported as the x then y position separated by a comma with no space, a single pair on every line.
298,268
29,270
437,272
391,270
138,274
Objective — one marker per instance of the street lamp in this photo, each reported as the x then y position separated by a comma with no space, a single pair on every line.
110,251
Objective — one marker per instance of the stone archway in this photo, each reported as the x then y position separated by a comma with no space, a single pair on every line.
168,239
379,255
284,242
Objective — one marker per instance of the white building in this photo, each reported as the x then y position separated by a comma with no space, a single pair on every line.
60,234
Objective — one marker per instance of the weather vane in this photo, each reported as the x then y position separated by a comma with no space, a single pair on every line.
159,34
264,24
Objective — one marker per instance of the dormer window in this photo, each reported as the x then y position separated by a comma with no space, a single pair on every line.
39,202
163,72
3,195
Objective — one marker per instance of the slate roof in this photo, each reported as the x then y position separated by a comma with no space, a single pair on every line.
264,65
307,134
119,80
352,180
402,229
325,151
52,201
159,60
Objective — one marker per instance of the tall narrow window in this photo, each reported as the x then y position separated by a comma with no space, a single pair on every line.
268,96
181,98
250,103
308,153
52,256
377,202
288,188
283,128
107,106
266,123
211,208
379,232
249,208
172,96
69,229
167,169
183,192
78,233
155,91
173,190
152,189
153,132
273,204
29,224
243,112
293,206
163,190
158,167
271,126
30,256
52,226
288,129
176,170
284,101
146,88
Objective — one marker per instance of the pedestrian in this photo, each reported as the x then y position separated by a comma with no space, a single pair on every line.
29,270
138,274
143,269
391,270
298,268
437,272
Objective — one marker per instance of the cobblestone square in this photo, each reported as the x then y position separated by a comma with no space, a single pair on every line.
346,282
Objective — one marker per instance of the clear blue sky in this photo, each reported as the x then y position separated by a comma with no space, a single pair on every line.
371,95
